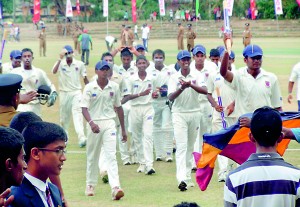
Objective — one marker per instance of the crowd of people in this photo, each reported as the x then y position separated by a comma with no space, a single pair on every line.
147,109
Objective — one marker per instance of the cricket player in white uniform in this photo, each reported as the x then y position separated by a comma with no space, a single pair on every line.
70,72
141,115
100,103
294,77
254,86
215,86
15,62
33,78
184,89
162,121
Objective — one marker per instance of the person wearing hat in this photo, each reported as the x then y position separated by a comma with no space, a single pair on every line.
254,86
42,37
139,87
10,85
145,36
33,78
190,38
294,77
265,179
184,89
15,58
85,39
180,37
247,35
70,71
227,95
100,103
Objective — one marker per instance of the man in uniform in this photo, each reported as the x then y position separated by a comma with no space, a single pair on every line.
15,57
70,71
85,40
180,37
190,38
294,77
130,36
42,37
247,35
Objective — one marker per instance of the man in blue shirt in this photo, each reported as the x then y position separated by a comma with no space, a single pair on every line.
85,39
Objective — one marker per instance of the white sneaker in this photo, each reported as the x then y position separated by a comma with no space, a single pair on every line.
169,158
149,170
141,168
90,190
117,193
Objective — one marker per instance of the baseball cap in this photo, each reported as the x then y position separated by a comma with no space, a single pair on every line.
266,125
199,48
232,55
68,48
138,47
252,51
10,83
15,54
221,49
85,31
214,53
101,64
183,54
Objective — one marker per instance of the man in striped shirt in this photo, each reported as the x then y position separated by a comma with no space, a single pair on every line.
265,179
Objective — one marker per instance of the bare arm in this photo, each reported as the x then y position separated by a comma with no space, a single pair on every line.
134,96
61,56
199,89
228,75
26,98
85,80
290,91
120,113
95,128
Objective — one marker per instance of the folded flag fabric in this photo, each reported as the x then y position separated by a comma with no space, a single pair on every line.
234,143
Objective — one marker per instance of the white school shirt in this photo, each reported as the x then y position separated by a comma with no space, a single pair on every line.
295,77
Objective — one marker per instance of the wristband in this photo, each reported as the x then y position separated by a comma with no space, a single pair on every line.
181,88
90,121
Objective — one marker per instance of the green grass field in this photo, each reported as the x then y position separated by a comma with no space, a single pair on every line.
280,54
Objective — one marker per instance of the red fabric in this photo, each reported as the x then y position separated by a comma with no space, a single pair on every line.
133,7
36,11
252,7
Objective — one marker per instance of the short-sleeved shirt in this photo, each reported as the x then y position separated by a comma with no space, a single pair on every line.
296,132
295,76
101,102
6,115
70,76
7,67
253,93
135,85
187,101
85,40
145,32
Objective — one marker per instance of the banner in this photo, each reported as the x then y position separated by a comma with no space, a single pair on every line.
78,6
197,7
1,10
230,7
36,11
278,7
252,7
69,11
298,1
162,10
133,11
105,8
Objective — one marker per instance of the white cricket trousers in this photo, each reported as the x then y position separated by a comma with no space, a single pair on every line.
69,104
141,118
162,129
35,108
186,127
105,140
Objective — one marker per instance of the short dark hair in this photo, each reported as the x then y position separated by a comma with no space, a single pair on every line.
266,126
40,134
22,119
106,54
187,204
126,52
11,142
214,53
140,57
158,51
26,50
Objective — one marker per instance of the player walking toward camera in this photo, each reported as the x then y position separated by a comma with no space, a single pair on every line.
100,103
33,78
162,124
70,71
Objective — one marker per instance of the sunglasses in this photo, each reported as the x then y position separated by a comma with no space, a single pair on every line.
259,57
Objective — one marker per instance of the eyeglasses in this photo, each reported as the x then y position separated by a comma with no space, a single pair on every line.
59,152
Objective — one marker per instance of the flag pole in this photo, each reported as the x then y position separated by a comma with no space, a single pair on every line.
107,25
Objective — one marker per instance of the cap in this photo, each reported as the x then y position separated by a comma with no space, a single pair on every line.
232,55
68,48
183,54
221,49
10,83
214,53
266,124
252,51
85,31
138,47
101,64
199,48
247,24
15,54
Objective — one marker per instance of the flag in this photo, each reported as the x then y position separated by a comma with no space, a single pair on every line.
197,7
78,6
252,7
69,10
235,144
105,8
133,10
36,11
1,10
278,7
298,1
230,7
162,10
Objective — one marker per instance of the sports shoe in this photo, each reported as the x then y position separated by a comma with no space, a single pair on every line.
149,171
194,169
141,168
182,186
82,143
117,193
90,190
158,159
133,159
169,158
190,184
104,176
126,163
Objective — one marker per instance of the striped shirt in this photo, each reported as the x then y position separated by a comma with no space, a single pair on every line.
265,179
